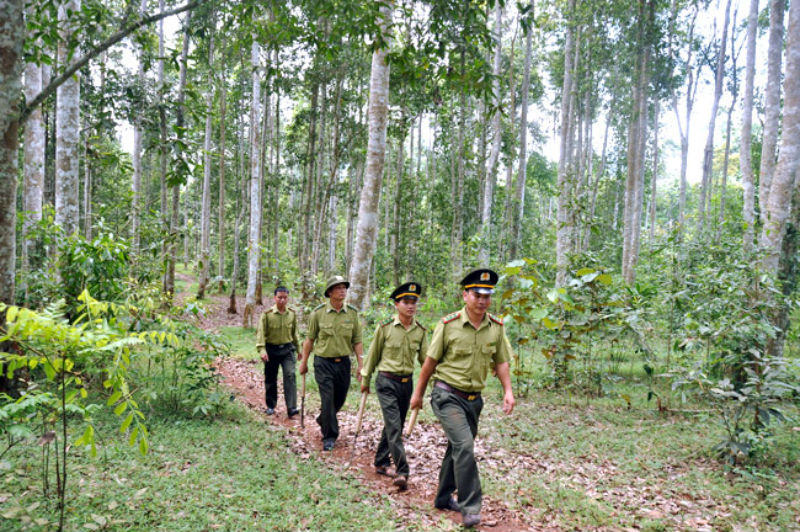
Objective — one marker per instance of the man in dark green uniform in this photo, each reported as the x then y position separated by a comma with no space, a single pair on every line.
334,332
395,345
464,346
277,338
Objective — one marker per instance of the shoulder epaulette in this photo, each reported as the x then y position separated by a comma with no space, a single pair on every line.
352,308
318,307
451,317
290,308
421,326
270,309
387,321
498,320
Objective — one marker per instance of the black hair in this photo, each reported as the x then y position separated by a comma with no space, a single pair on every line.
280,289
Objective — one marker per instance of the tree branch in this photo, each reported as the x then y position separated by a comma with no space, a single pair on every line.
105,45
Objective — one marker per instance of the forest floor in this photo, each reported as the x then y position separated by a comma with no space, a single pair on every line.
550,466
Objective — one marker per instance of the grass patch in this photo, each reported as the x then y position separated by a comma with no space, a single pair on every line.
233,473
241,340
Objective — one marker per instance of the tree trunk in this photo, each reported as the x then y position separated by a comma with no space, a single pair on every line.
34,149
136,156
162,145
654,177
221,206
734,84
708,153
12,35
785,180
376,152
205,213
519,192
68,123
745,161
254,241
396,211
563,232
772,105
494,154
87,188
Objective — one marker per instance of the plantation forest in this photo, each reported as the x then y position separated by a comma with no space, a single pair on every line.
629,169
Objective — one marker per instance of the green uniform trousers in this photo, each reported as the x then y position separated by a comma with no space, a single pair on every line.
280,356
394,397
459,419
333,381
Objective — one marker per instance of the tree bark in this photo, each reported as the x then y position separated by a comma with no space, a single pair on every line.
654,177
745,161
772,105
68,137
205,213
367,228
254,241
785,179
136,156
563,233
221,205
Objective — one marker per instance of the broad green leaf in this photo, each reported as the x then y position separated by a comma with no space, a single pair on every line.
604,278
584,271
126,423
114,398
120,408
550,324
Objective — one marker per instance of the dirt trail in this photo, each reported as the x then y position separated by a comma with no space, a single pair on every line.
425,447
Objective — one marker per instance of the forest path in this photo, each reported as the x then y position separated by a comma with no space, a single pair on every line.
425,447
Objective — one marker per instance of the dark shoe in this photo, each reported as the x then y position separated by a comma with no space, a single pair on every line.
401,481
383,470
452,505
269,411
471,520
327,445
293,412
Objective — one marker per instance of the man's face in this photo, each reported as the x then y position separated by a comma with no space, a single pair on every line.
407,306
475,302
338,292
281,298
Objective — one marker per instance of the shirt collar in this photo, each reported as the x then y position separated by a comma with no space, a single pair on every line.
275,308
465,319
329,307
400,323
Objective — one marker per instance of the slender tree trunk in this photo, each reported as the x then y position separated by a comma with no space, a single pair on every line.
254,243
205,214
221,206
87,188
34,149
396,211
786,178
563,232
654,178
772,105
599,175
708,153
136,156
241,209
494,154
745,161
162,145
68,122
376,152
519,192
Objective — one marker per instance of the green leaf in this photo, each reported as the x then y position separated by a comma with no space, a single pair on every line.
550,324
126,423
604,278
114,398
584,271
120,408
143,446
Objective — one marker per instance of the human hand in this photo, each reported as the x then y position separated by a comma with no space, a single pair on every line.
416,401
264,357
364,386
508,402
303,369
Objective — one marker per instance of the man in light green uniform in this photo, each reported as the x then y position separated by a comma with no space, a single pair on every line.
395,345
464,346
334,332
277,338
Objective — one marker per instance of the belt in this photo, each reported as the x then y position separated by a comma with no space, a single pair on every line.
469,396
334,359
279,346
395,376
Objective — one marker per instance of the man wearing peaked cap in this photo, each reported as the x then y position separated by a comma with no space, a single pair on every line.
396,343
464,346
334,332
277,338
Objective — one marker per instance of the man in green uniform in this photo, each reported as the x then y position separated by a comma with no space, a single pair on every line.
464,346
333,333
395,345
277,338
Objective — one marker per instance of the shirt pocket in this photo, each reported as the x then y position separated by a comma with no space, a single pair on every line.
392,346
326,331
462,359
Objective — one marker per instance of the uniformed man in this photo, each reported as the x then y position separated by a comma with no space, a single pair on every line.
334,332
397,342
464,346
277,342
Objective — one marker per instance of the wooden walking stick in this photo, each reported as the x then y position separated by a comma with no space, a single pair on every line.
303,403
412,422
358,423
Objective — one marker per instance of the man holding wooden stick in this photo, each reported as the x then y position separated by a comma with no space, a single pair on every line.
396,343
464,346
334,332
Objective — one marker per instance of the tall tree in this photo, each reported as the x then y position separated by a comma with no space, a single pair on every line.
745,161
254,240
136,156
205,214
68,123
772,105
377,119
563,229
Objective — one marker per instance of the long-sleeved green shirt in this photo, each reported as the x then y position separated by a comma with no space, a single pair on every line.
334,332
464,353
277,328
394,348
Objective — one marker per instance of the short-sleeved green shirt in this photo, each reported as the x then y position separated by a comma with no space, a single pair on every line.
464,354
394,348
277,328
334,333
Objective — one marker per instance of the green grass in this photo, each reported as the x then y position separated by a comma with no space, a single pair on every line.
241,340
234,473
